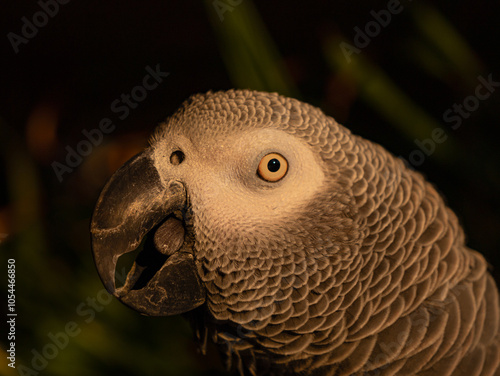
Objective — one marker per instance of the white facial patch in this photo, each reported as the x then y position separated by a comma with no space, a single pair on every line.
230,190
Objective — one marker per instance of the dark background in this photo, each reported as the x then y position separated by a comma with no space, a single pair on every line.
64,79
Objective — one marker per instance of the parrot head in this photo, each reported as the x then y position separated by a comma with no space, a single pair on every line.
239,194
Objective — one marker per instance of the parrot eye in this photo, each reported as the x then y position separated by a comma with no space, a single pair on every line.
272,167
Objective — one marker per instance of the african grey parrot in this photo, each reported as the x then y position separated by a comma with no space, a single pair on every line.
298,247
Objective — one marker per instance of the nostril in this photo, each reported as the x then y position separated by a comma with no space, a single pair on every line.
177,157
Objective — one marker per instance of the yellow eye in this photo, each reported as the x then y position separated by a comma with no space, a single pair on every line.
272,167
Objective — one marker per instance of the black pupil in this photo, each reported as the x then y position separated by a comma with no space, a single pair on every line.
273,165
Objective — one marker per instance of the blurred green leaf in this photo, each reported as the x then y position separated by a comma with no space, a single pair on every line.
385,97
251,57
440,48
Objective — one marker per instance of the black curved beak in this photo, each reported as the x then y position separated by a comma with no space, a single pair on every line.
135,201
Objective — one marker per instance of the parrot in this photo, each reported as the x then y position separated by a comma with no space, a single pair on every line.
295,246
